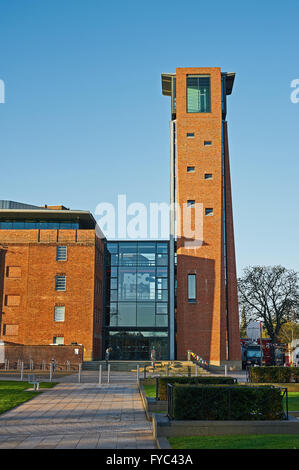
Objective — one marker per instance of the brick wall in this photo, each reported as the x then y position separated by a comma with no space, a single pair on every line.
29,296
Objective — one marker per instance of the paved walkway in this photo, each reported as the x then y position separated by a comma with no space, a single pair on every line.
81,416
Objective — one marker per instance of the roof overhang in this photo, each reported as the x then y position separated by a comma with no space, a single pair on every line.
230,78
166,83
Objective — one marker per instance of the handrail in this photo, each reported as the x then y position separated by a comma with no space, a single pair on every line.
201,362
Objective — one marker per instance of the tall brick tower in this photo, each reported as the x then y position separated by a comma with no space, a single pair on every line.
204,310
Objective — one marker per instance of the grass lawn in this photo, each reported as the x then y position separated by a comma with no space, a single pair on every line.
293,399
262,441
13,393
150,390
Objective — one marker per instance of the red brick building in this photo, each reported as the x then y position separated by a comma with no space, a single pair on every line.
51,277
206,313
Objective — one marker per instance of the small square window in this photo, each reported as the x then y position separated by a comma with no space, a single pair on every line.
190,134
60,283
209,211
61,253
207,143
58,340
208,176
190,203
190,169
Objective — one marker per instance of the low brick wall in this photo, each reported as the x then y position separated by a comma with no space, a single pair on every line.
61,354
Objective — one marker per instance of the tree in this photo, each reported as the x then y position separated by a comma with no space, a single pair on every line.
270,294
243,323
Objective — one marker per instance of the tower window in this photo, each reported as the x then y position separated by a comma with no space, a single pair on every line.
59,313
191,287
208,176
190,134
190,203
207,143
60,283
61,253
190,169
209,211
198,94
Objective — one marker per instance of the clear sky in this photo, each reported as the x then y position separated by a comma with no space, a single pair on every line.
84,118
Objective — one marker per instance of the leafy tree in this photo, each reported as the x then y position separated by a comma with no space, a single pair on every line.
270,294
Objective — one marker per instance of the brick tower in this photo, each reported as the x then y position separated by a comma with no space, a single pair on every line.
205,307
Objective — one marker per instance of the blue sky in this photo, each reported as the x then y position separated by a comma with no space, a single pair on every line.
84,119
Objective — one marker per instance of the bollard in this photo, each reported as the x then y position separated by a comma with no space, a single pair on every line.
22,371
100,375
51,371
144,372
137,373
225,370
108,377
167,370
79,373
196,370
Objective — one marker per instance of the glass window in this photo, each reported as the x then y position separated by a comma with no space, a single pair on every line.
162,295
146,283
113,283
162,320
162,309
112,248
162,272
18,225
58,340
126,283
190,169
59,313
61,253
127,254
146,314
162,248
191,287
209,211
190,203
126,314
113,295
60,283
162,283
146,254
208,176
198,94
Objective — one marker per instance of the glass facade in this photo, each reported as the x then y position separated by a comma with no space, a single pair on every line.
137,304
38,224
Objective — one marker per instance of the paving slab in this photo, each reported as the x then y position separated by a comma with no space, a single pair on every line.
83,415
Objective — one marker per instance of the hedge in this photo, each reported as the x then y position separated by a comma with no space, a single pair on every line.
163,381
274,374
220,402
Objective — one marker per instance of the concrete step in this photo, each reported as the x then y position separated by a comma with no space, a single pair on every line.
131,366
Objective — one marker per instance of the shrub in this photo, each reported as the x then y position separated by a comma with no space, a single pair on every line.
273,374
163,381
220,402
